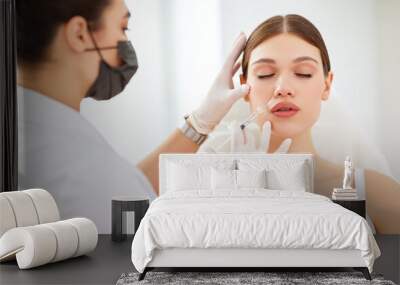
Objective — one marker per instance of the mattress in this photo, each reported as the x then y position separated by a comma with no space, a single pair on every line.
250,219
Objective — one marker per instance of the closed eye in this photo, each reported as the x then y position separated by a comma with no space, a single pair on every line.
303,75
265,76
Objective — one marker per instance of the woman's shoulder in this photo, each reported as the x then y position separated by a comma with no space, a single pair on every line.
326,168
373,179
376,179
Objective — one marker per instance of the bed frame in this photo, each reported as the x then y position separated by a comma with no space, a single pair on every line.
249,259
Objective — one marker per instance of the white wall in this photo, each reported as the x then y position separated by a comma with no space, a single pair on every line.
388,95
191,32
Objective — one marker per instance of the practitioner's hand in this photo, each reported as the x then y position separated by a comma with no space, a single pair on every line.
251,140
222,94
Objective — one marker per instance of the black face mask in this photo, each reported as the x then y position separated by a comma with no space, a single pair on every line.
112,80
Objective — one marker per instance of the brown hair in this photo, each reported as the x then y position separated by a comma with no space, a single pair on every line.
293,24
38,20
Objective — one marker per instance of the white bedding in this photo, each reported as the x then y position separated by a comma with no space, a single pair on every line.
251,218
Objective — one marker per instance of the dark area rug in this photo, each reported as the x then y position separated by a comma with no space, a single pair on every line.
229,278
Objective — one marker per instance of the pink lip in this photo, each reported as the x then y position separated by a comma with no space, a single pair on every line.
285,109
285,114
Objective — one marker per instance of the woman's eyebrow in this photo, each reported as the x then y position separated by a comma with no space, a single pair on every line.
264,60
304,58
297,60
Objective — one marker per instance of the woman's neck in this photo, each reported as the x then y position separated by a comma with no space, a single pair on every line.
49,79
300,144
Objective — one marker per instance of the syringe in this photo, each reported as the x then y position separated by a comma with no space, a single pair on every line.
260,109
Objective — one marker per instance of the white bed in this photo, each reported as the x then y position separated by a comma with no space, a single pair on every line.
195,224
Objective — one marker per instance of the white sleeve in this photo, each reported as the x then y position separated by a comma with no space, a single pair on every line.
61,152
125,175
106,175
83,175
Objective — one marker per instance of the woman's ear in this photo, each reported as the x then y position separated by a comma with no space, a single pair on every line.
328,84
77,35
243,81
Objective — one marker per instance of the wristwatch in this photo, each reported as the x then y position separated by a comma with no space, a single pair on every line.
191,133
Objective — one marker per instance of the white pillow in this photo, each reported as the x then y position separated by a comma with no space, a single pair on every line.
282,174
223,179
294,178
237,179
251,178
181,177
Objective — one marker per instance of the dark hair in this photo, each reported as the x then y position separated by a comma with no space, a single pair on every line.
38,21
292,24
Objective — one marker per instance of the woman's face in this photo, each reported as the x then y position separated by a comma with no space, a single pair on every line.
112,28
114,23
286,70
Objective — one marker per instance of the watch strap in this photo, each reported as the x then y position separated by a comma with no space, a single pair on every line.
190,132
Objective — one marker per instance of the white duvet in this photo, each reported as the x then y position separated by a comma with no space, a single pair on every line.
253,218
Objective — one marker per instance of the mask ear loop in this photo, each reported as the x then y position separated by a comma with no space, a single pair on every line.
96,48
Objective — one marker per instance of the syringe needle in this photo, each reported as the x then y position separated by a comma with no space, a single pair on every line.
260,109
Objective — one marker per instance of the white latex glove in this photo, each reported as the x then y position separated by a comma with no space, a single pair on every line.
251,140
222,94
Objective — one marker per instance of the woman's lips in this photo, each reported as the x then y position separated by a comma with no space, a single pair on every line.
285,114
285,109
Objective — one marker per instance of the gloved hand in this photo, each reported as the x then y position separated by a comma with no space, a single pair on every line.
251,140
222,94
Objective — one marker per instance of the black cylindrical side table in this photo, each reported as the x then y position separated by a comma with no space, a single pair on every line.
357,206
122,204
